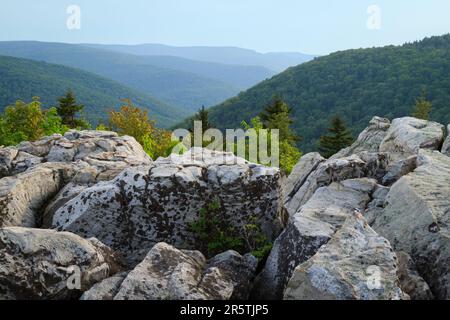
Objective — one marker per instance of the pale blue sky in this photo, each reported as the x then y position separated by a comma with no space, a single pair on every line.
314,26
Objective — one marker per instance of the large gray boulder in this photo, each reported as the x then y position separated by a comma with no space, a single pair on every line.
310,228
357,264
37,178
45,264
446,146
307,164
407,136
369,140
158,203
23,197
167,273
416,219
365,164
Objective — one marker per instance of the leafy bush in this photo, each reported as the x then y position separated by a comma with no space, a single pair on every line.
27,121
217,235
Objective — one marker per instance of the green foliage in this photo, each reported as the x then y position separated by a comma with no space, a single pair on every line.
53,123
68,109
339,138
27,121
423,108
277,116
358,84
217,235
133,121
21,78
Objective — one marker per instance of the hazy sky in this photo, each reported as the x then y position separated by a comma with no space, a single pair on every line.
313,26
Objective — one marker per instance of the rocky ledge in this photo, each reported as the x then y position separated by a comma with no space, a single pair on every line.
90,216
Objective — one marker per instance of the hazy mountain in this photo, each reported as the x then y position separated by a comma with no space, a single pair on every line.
276,61
179,82
23,79
357,84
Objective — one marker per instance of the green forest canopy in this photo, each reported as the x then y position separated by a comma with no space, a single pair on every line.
357,84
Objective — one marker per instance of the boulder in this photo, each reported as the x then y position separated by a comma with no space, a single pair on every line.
313,226
23,197
40,264
240,270
446,147
369,140
171,274
356,264
398,169
335,170
417,216
104,150
407,135
105,289
307,164
410,280
158,203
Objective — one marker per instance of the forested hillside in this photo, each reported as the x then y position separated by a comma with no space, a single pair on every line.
179,82
357,84
23,79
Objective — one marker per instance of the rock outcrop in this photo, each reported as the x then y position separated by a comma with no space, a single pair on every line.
158,203
24,196
369,140
417,216
44,264
167,273
406,136
369,223
357,264
41,172
313,226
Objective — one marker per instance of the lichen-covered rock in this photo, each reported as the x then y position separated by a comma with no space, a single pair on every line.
23,197
334,170
307,164
398,169
446,147
407,135
356,264
369,140
240,270
310,228
103,150
416,219
45,264
106,289
158,203
410,280
171,274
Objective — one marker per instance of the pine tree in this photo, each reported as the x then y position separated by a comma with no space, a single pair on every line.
202,115
68,109
277,115
422,108
339,138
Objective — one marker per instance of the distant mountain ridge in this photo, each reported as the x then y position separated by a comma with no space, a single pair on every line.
182,88
357,84
23,79
276,61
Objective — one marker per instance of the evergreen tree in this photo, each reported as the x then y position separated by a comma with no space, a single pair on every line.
422,108
277,115
68,109
201,115
339,138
